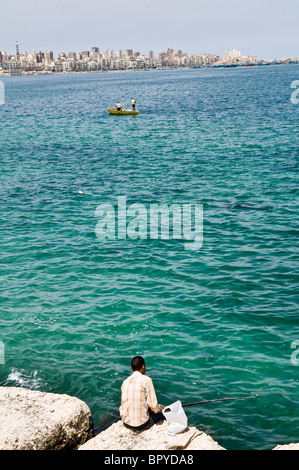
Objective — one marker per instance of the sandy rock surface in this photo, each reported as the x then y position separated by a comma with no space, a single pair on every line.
118,437
33,420
287,447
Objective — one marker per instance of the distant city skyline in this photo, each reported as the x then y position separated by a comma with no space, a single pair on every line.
12,50
196,26
233,53
95,60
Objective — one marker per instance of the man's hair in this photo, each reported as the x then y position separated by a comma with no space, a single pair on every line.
137,362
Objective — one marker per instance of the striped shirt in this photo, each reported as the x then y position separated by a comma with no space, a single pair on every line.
137,396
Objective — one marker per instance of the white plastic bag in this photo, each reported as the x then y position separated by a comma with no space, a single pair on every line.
176,418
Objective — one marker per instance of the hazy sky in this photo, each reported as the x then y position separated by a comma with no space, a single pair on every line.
268,29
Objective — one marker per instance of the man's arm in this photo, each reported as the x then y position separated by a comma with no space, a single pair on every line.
152,398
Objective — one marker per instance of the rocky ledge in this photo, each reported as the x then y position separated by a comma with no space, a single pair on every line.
287,447
118,437
33,420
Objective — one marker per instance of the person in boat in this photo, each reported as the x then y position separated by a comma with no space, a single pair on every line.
139,406
133,103
119,106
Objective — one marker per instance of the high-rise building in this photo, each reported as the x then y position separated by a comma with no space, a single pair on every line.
17,52
170,54
234,54
38,57
109,53
72,55
95,52
129,53
49,56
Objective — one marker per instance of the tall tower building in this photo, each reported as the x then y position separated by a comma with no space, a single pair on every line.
48,56
170,54
95,52
17,52
129,53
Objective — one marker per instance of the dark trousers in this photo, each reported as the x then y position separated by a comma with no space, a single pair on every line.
153,419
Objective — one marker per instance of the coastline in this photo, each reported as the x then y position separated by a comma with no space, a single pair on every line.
71,72
34,420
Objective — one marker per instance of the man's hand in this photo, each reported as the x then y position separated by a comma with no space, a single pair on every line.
161,407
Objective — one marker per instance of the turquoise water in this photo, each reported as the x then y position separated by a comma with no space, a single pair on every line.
213,323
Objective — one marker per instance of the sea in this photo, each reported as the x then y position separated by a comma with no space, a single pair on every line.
217,320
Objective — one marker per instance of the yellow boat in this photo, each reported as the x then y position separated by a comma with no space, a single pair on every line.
123,112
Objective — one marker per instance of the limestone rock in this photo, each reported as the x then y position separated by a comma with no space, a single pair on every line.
287,447
118,437
33,420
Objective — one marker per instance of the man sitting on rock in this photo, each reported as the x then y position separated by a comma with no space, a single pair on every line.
139,406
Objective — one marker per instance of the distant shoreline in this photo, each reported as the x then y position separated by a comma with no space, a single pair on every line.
72,72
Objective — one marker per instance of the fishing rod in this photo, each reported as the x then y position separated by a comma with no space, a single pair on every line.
217,399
